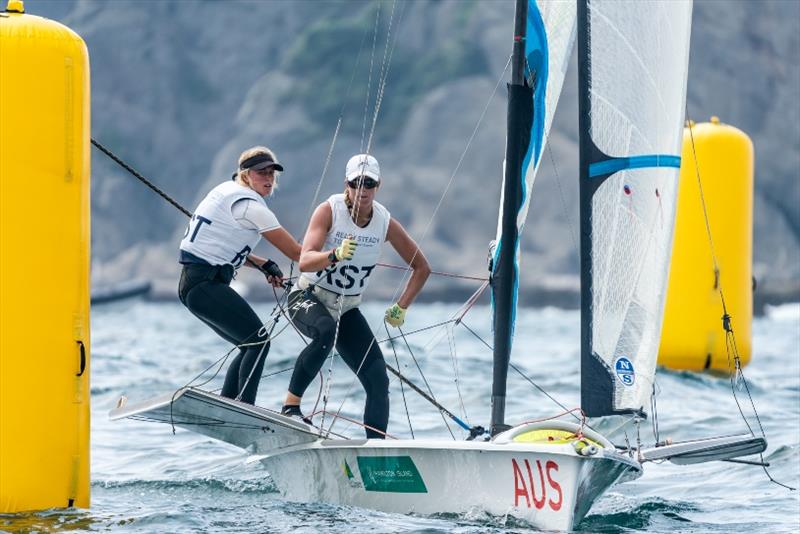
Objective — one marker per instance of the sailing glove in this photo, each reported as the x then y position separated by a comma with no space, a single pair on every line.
395,315
272,272
346,250
270,268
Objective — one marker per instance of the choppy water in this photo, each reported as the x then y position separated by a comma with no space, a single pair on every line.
145,479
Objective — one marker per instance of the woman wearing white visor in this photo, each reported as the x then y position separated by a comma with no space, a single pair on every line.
340,250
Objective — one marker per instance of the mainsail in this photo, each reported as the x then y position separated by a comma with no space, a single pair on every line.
547,33
633,60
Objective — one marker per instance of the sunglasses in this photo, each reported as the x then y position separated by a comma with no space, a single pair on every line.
366,183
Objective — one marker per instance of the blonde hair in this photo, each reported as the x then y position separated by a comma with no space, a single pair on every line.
242,174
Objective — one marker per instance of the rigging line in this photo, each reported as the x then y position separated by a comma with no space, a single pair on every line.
734,374
561,196
338,126
453,175
329,378
438,273
352,381
744,382
558,180
275,314
730,342
430,390
384,73
357,423
454,359
431,327
654,411
442,410
726,318
369,78
144,180
441,199
224,358
402,387
702,197
150,184
518,370
261,354
354,212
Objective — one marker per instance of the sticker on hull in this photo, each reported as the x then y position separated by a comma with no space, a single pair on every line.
393,474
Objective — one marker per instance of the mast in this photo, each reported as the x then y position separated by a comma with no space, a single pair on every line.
505,277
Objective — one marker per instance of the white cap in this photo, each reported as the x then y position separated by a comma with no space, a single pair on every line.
362,165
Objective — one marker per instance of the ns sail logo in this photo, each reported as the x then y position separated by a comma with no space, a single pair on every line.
625,372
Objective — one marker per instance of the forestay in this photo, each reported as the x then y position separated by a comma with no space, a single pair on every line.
633,58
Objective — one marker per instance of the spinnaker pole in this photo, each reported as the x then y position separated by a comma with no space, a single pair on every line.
505,275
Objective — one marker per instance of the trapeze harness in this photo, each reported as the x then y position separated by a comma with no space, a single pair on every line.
224,229
322,296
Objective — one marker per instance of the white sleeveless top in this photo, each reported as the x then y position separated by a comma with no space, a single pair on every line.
350,277
214,235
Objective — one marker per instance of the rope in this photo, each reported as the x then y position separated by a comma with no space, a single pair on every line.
456,378
144,180
523,375
402,387
338,127
735,366
384,74
438,273
385,65
455,172
427,385
152,186
369,78
358,423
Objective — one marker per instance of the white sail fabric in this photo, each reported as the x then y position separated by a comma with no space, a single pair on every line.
558,20
551,31
638,54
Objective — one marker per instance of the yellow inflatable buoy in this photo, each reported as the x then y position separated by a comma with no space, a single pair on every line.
44,279
692,335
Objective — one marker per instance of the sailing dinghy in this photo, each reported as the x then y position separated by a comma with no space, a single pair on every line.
633,60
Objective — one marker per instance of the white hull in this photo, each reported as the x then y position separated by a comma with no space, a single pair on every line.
550,486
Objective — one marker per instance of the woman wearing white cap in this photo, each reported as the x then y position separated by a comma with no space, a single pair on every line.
225,228
340,250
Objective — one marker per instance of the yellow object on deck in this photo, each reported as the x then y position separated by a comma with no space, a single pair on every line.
44,264
692,336
552,436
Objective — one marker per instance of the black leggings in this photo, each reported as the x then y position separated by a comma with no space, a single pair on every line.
355,340
205,290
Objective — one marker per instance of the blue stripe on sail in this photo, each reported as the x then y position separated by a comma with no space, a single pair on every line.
610,166
537,60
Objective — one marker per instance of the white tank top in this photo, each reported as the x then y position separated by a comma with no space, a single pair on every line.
214,235
350,277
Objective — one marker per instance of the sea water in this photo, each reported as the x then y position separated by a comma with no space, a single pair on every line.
145,478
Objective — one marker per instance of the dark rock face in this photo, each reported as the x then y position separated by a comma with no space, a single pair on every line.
180,88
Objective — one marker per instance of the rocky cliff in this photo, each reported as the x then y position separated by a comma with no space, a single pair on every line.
180,88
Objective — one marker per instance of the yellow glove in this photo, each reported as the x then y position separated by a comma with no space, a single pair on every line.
395,315
346,250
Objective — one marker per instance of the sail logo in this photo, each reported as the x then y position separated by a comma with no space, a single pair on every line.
530,494
625,372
